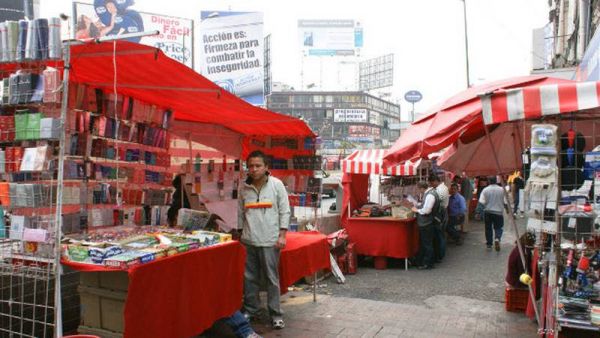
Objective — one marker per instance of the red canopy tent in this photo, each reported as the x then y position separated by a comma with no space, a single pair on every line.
146,73
458,118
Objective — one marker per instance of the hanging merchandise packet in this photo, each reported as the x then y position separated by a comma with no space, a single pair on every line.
2,224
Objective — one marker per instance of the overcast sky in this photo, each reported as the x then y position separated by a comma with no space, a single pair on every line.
426,36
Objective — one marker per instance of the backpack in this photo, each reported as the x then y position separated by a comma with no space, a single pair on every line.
437,210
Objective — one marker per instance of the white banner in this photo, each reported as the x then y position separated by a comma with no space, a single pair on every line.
349,115
100,19
231,53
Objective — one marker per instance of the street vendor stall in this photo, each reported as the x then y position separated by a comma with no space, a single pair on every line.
305,254
173,297
552,133
93,154
381,237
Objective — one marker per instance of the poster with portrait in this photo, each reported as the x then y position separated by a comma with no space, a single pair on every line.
113,17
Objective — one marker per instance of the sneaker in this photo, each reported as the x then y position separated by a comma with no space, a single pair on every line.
254,335
278,324
488,246
497,244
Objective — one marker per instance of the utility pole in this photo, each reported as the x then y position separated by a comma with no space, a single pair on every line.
466,42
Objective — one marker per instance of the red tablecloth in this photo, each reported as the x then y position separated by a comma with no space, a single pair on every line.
304,254
182,295
384,236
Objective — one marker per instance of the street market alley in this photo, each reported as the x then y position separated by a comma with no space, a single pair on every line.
462,297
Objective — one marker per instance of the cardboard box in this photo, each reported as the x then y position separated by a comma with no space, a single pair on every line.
102,309
107,280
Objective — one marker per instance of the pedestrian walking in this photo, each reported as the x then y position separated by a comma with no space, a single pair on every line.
494,203
518,185
263,215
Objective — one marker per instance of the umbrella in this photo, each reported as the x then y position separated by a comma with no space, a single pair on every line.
459,117
475,158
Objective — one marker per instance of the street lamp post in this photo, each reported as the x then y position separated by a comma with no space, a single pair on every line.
466,41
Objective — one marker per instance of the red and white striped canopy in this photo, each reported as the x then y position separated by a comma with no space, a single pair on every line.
537,101
370,162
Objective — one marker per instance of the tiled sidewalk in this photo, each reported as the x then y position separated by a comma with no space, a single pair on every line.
442,316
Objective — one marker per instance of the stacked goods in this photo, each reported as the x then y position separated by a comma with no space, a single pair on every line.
139,246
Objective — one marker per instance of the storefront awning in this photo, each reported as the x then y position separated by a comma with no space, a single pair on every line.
535,102
371,162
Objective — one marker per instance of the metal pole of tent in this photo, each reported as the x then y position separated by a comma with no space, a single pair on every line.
315,288
511,219
59,193
60,174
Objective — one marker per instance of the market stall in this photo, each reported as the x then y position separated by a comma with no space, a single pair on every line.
93,154
305,254
395,235
562,191
172,297
551,129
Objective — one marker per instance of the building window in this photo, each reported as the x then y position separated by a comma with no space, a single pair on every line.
280,98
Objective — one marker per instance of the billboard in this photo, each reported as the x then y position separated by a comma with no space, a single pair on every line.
330,37
120,16
17,10
232,53
376,73
349,115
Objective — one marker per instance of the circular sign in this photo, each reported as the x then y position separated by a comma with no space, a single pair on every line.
413,96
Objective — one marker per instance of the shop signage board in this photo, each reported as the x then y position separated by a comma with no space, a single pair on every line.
349,115
175,36
232,52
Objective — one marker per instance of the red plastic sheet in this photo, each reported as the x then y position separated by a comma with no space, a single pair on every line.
146,73
304,254
384,236
182,295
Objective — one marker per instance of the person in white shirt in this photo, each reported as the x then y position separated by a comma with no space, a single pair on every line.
493,199
426,219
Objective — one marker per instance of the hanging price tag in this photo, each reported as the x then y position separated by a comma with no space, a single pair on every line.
572,222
